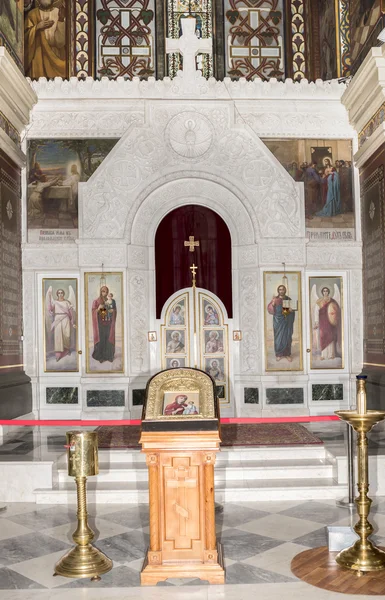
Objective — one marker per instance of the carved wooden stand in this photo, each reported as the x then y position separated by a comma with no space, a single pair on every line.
182,513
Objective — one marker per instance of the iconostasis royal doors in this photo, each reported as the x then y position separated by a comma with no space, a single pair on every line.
195,334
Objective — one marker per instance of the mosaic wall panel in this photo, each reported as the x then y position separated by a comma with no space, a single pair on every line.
105,398
297,27
254,33
365,24
125,38
345,44
61,395
202,10
322,393
284,396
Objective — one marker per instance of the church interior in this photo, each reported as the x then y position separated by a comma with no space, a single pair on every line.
192,242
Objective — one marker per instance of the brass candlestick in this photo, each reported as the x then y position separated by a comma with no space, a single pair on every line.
84,560
363,556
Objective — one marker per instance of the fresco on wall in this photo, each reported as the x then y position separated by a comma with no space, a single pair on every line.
11,28
328,39
45,44
364,16
55,168
325,167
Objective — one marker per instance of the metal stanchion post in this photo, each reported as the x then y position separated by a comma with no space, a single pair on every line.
349,501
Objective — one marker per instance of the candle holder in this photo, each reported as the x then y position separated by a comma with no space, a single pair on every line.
363,556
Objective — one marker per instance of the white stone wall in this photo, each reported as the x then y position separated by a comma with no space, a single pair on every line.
224,166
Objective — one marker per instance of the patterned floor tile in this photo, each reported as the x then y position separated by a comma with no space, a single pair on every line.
314,539
245,573
280,527
8,529
277,559
101,527
46,519
316,511
239,545
10,580
119,577
133,517
125,547
25,547
234,514
41,570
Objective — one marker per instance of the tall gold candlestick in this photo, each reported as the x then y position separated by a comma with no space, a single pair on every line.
361,394
363,556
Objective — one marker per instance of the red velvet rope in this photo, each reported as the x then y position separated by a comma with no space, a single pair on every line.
115,423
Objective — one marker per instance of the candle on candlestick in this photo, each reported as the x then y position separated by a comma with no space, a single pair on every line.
361,394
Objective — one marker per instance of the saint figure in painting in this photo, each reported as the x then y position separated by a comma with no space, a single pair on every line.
333,197
211,317
177,407
327,323
61,314
191,409
103,326
176,343
214,344
283,325
45,40
215,371
35,199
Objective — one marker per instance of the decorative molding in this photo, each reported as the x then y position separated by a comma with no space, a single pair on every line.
377,119
9,129
57,256
137,257
138,290
329,256
356,321
251,323
247,256
292,253
298,39
29,323
16,96
110,256
144,175
79,123
166,88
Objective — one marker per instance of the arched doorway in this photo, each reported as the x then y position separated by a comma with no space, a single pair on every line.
210,251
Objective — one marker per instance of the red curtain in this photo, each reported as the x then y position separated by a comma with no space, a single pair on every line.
213,256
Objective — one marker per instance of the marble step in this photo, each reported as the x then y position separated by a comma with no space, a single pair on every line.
227,454
225,491
231,470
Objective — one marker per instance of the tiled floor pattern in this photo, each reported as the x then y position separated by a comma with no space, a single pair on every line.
259,541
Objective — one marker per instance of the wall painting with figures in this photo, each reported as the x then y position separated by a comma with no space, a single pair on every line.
325,167
60,325
283,321
326,323
55,168
11,28
46,25
104,322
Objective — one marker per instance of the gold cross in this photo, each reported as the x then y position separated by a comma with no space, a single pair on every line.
193,269
192,244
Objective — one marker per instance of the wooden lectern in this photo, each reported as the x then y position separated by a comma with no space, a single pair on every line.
180,436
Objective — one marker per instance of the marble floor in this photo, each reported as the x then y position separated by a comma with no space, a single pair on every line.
259,540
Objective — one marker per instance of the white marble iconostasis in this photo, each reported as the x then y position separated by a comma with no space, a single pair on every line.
173,152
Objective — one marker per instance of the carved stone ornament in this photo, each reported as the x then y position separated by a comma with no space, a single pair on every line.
147,162
180,381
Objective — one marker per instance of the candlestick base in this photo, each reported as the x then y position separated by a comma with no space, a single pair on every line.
360,557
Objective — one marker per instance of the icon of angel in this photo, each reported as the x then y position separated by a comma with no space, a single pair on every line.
327,326
60,320
177,315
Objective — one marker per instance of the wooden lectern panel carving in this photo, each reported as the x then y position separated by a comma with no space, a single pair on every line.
181,508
